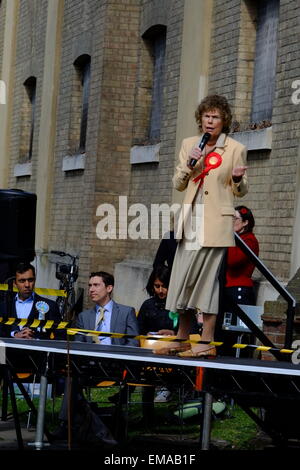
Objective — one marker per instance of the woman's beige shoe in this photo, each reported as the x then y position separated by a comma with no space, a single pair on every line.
209,352
172,350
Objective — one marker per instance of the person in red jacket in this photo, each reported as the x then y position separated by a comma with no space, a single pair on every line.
239,285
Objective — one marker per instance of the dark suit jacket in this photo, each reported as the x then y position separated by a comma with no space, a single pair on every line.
52,314
123,320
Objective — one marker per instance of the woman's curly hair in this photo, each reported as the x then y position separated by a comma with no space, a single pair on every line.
210,103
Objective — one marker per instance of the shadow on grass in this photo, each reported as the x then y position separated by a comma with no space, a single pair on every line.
233,430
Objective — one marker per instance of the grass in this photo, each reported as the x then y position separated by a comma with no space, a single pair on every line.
236,428
233,429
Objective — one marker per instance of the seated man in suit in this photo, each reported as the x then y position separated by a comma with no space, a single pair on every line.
106,316
27,304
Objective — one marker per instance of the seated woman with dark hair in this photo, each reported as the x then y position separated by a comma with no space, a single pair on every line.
239,283
153,316
153,319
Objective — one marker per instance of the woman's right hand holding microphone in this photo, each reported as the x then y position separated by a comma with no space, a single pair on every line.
196,154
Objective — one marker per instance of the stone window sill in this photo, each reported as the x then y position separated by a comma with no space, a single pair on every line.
73,162
144,154
260,139
23,169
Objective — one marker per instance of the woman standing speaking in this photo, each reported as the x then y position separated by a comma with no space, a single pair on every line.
212,170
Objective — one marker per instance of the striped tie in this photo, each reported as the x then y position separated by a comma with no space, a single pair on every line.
101,310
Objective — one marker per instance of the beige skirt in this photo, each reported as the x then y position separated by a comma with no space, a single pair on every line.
194,280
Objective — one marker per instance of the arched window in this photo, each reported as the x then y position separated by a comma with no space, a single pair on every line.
28,119
155,38
157,41
265,60
149,89
80,104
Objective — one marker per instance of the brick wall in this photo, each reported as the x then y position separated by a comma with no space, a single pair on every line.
245,62
107,31
115,127
73,191
29,62
225,48
151,182
272,175
284,157
110,31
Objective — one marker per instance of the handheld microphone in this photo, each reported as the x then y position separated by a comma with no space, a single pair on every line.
202,144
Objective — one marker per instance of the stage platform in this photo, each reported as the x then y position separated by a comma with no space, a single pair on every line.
272,385
127,353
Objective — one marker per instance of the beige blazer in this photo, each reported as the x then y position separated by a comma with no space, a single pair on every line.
219,191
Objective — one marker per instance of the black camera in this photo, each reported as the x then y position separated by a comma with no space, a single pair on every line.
63,270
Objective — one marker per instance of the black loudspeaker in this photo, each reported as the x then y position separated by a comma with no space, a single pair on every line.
17,234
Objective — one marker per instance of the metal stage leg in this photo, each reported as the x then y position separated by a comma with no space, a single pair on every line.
41,414
31,405
39,435
14,408
206,421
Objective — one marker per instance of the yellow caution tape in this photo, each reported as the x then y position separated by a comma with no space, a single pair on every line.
263,348
40,291
72,332
35,324
239,346
50,324
62,325
53,292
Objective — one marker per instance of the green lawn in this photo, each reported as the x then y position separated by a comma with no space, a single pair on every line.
232,429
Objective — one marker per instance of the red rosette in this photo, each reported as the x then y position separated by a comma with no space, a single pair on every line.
211,161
